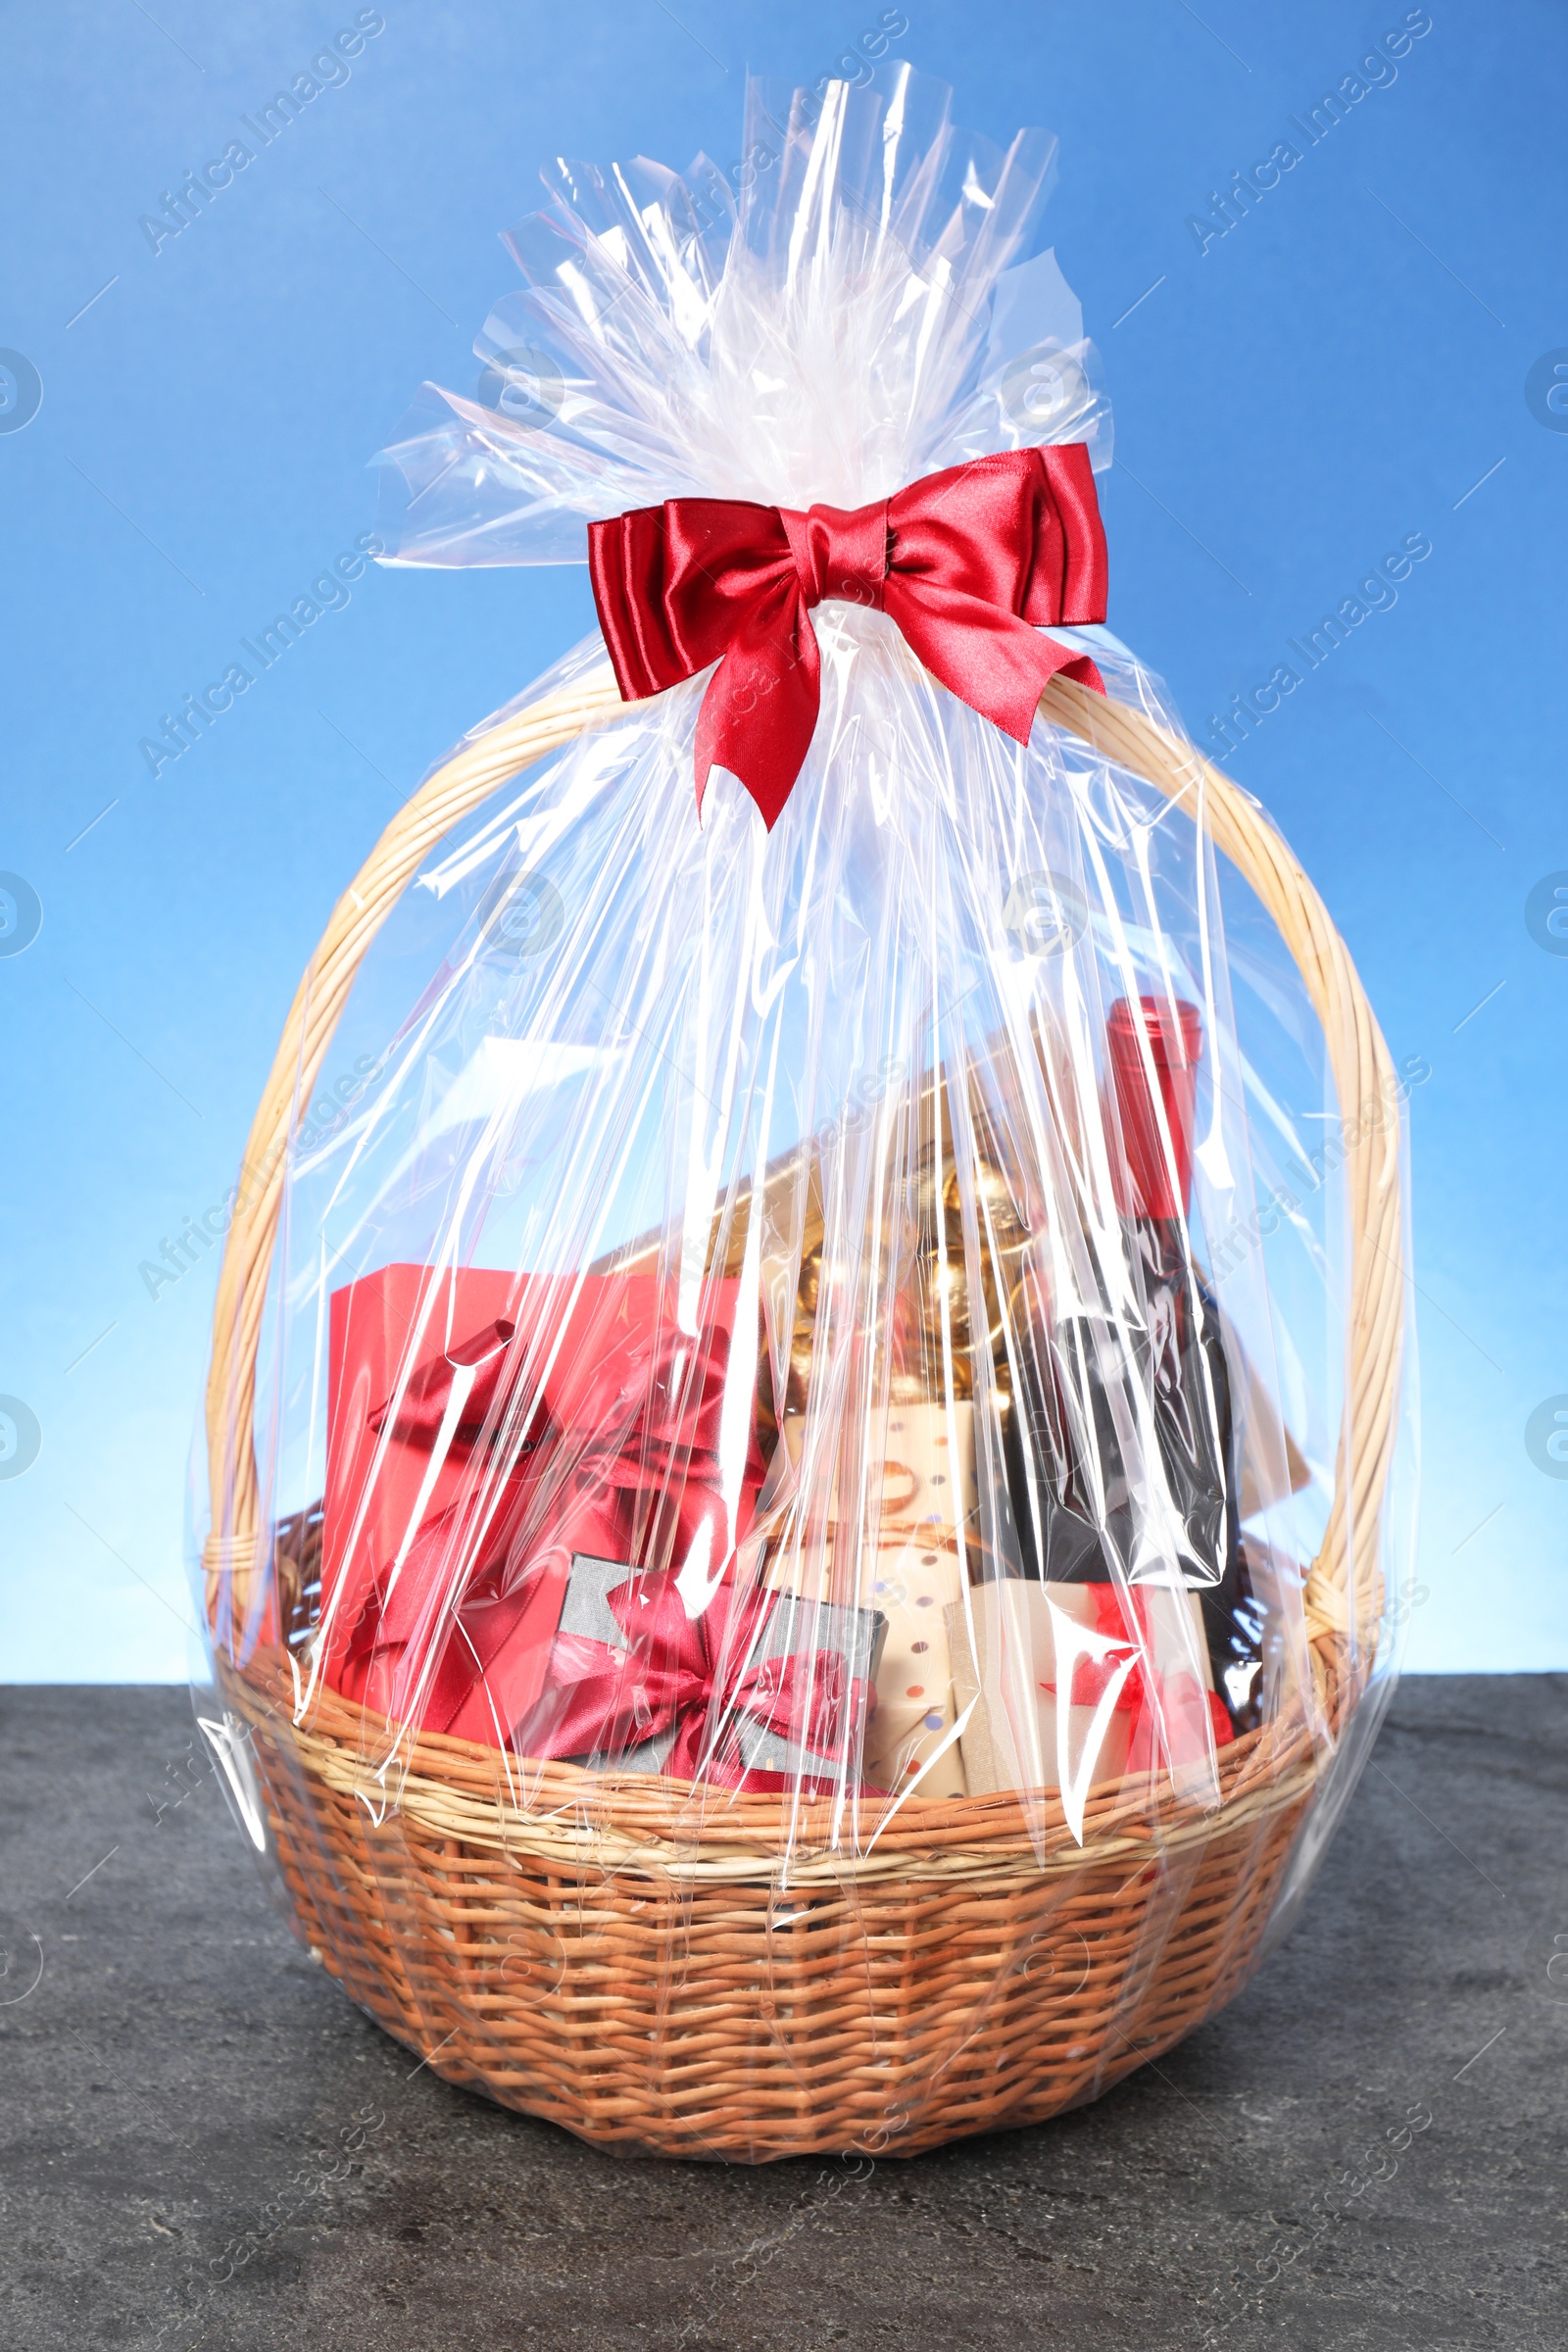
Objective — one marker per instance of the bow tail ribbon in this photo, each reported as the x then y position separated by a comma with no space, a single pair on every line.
808,1699
760,709
988,659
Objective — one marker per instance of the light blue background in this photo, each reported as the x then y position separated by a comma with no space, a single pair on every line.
1335,373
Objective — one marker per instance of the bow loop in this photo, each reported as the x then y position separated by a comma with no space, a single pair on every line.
472,1370
971,565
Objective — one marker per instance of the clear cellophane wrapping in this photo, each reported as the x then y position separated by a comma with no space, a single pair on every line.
853,1313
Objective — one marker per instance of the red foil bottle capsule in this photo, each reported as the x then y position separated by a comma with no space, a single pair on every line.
1168,1035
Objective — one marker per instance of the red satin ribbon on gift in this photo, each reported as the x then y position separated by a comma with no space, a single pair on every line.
1160,1707
971,564
701,1675
626,1466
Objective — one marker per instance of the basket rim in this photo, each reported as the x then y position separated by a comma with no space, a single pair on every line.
657,1828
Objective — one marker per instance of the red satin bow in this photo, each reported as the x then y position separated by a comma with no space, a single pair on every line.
702,1675
972,563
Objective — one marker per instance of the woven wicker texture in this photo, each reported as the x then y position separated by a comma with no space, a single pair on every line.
632,1961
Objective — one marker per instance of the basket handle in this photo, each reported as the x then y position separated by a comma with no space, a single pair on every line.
1343,1594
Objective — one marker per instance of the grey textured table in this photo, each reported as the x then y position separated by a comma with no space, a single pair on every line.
204,2143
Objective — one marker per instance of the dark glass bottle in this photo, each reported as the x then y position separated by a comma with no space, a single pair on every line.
1067,1483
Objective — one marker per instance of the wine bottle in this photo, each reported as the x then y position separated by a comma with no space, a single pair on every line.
1072,1501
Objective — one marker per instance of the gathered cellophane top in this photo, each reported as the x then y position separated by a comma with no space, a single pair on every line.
849,1313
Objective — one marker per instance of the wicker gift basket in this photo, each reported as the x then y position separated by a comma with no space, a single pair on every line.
660,1972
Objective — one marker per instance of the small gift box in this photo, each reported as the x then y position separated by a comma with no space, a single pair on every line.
757,1690
1067,1686
464,1481
914,1505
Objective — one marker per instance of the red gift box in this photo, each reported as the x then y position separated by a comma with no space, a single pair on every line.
379,1329
484,1427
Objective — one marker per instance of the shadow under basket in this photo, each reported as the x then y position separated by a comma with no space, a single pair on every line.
653,1972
